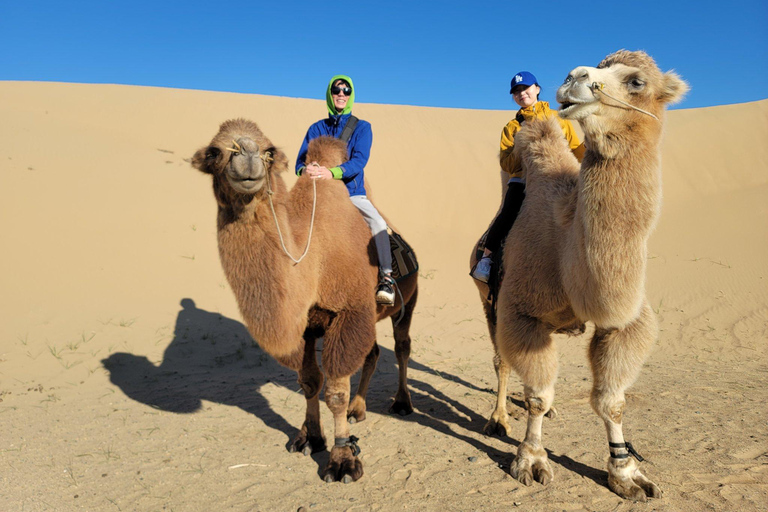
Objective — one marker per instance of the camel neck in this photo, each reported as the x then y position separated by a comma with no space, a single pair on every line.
619,200
621,191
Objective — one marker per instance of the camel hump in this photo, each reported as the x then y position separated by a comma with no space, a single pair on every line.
542,149
327,151
537,130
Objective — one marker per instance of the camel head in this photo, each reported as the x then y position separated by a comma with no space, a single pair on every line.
239,158
624,84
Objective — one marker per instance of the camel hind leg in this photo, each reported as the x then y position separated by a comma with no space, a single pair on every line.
357,407
401,328
526,345
616,357
402,404
498,423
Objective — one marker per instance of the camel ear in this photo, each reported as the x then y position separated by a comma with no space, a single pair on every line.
279,160
205,159
673,88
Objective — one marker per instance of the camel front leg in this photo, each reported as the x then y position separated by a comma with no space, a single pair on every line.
525,344
310,438
616,357
343,465
357,407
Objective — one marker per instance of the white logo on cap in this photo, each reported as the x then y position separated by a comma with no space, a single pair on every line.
518,78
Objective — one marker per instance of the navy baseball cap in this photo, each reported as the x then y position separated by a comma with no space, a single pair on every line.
522,78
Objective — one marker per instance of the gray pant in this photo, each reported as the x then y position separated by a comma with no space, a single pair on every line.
378,229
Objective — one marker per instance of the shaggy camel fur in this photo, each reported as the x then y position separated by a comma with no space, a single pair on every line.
330,293
498,423
578,250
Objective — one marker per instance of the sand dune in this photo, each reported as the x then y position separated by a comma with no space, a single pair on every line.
109,252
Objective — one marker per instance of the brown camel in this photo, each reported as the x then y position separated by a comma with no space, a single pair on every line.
577,251
287,306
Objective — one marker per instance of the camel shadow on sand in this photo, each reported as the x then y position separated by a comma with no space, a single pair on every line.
212,357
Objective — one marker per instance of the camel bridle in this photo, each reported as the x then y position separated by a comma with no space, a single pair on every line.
599,86
266,157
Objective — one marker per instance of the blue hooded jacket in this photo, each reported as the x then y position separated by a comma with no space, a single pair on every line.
352,171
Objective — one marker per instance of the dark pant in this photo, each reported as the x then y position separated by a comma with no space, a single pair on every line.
498,231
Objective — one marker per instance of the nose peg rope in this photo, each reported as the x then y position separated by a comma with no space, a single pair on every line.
266,157
598,87
235,147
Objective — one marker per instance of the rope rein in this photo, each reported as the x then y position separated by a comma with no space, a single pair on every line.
268,158
598,87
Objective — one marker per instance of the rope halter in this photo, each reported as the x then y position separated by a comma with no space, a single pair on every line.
599,86
267,158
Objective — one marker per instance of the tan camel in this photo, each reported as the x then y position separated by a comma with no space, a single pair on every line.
577,251
498,423
287,306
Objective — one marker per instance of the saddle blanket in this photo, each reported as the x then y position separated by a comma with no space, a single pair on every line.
404,261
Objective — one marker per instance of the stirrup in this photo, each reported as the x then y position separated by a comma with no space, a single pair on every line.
385,292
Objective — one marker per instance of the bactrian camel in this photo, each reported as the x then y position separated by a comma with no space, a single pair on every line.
577,251
498,423
287,306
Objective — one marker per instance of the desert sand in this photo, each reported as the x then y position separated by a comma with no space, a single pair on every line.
129,383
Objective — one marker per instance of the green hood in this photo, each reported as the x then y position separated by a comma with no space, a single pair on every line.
329,99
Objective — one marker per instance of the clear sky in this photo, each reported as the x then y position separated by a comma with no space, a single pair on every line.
458,54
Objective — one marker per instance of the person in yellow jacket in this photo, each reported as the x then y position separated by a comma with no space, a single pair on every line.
525,91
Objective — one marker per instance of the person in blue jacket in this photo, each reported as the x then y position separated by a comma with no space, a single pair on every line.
340,96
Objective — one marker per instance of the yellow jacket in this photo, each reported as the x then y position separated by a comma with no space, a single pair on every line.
539,110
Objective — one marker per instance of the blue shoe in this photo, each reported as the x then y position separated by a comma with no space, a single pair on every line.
482,270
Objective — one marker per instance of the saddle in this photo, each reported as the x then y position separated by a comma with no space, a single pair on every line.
497,272
404,261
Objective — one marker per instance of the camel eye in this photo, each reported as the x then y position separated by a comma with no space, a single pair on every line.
568,79
636,84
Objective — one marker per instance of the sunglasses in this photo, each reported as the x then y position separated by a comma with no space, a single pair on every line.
336,90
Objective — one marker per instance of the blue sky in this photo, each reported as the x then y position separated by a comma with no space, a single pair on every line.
444,54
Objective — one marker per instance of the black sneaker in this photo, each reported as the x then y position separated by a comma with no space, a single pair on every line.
385,293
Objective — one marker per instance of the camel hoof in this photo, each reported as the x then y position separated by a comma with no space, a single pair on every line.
531,464
542,473
401,408
356,412
525,478
539,472
355,417
626,480
495,427
342,466
307,444
651,490
551,413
